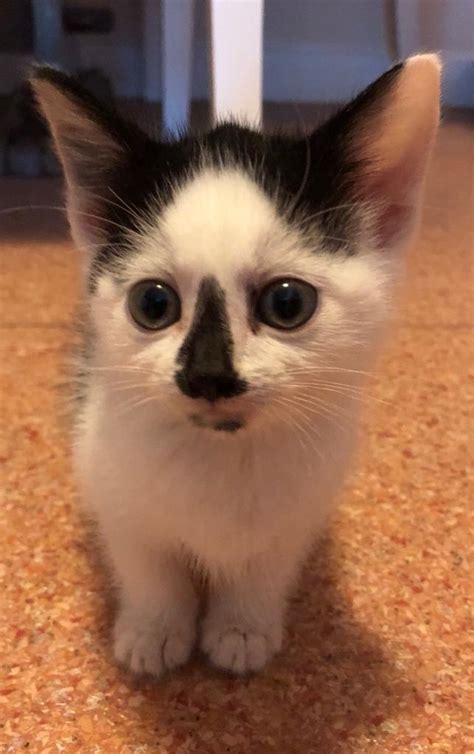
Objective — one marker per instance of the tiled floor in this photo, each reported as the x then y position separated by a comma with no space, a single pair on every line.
377,656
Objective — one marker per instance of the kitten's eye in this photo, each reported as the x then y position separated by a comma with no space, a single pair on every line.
154,305
286,304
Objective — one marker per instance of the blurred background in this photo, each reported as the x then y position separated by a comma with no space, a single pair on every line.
171,64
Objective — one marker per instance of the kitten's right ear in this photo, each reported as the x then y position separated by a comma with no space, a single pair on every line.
91,140
86,139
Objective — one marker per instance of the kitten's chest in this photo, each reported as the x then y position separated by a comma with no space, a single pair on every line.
222,500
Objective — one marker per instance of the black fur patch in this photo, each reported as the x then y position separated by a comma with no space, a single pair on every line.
309,175
205,357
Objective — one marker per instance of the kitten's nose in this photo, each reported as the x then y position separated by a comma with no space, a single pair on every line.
205,356
211,387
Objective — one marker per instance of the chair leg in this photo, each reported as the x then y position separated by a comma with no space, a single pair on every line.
178,16
152,50
237,59
47,31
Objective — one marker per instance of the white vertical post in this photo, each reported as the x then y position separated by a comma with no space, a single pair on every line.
237,59
177,62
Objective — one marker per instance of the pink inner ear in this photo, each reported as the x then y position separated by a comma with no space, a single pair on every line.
393,223
394,193
86,216
393,209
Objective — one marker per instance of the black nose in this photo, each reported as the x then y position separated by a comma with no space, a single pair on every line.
205,358
212,387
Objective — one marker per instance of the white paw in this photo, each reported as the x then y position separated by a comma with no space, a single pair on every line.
151,646
239,649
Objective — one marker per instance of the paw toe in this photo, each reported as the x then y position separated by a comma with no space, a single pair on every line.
151,649
239,651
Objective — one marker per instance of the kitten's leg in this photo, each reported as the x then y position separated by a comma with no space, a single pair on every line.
155,628
244,624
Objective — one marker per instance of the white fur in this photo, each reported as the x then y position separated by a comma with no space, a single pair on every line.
243,507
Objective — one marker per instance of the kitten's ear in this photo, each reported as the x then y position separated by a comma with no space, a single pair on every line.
91,140
385,138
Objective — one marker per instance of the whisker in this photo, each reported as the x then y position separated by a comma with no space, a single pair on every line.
323,409
135,404
329,387
348,391
300,433
57,208
320,408
304,430
349,205
122,204
120,368
362,397
117,386
329,368
292,427
349,385
304,181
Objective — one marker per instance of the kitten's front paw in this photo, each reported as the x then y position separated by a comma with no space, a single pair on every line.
239,648
151,646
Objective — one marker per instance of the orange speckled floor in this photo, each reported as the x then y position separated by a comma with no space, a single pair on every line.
377,656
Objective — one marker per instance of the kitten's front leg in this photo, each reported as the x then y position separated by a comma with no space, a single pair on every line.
155,628
243,627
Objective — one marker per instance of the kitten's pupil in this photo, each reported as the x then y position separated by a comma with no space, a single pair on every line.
286,301
154,303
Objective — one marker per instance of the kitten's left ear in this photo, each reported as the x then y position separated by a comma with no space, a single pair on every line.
385,138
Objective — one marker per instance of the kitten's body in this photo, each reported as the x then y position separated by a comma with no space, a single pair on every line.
236,483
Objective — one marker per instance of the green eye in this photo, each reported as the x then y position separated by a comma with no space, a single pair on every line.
286,304
154,305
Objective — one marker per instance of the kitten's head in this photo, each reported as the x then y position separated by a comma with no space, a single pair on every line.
235,273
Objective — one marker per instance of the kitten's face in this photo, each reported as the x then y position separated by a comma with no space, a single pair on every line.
264,311
237,279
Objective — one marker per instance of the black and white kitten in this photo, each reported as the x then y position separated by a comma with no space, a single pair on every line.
236,288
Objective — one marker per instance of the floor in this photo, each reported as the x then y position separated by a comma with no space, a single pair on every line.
377,656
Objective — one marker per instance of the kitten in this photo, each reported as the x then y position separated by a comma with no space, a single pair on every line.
236,289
